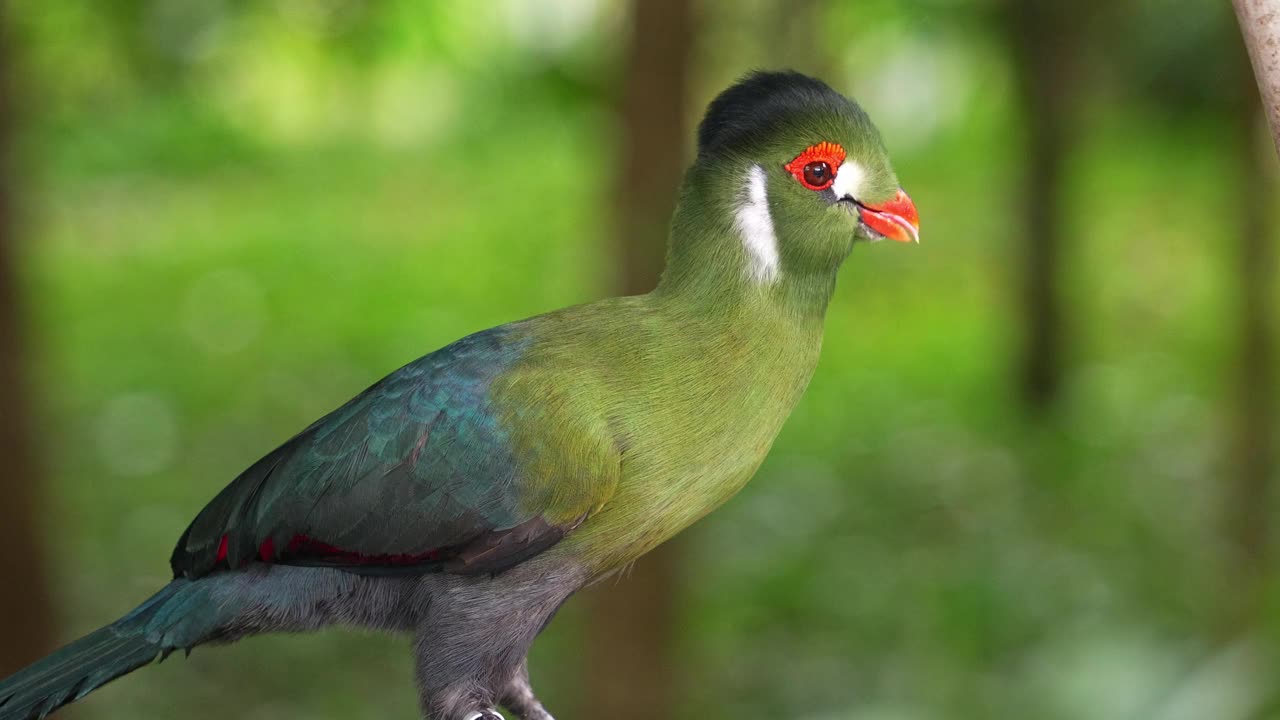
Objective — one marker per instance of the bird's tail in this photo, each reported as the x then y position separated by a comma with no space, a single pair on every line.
177,617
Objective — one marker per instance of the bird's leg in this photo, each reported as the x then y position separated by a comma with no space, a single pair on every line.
518,696
473,634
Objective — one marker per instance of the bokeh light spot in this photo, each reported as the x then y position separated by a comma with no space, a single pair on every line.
224,311
137,434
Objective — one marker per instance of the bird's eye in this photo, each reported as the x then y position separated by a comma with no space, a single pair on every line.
817,166
817,175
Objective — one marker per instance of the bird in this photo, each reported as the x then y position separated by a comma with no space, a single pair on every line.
463,498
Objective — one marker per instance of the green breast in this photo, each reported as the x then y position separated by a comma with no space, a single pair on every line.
692,400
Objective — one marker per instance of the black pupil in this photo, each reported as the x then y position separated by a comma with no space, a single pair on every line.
817,173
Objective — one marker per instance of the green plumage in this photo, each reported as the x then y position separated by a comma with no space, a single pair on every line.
469,493
618,423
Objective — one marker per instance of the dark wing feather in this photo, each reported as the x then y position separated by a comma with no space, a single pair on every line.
417,473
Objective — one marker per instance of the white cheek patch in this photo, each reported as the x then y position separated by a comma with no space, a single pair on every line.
849,179
756,226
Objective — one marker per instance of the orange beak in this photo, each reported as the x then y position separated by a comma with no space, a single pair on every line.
896,219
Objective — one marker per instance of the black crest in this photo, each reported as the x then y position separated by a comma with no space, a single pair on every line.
753,108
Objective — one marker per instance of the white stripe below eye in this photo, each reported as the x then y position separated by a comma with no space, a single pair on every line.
756,226
849,179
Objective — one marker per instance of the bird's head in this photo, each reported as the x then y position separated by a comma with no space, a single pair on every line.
796,173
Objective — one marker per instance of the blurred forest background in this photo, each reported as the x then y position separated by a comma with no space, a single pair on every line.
1033,477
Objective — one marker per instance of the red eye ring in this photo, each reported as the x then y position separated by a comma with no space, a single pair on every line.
817,166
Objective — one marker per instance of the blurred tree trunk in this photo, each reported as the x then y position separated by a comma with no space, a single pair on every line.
24,604
1252,453
630,671
1260,26
1043,41
653,138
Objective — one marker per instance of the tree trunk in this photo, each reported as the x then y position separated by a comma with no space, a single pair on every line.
1260,26
1041,36
631,671
1253,429
653,139
24,603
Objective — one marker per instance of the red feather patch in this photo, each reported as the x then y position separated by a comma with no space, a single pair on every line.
301,546
267,550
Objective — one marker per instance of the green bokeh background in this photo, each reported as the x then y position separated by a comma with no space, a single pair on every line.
238,214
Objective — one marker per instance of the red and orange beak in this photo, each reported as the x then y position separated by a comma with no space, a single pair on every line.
896,219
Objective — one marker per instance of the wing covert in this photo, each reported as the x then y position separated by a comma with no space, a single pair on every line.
420,472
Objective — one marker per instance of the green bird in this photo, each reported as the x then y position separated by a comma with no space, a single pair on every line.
465,496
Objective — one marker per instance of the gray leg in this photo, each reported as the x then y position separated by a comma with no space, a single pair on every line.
472,639
518,696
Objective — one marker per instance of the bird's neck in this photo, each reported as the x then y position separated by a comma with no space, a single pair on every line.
711,269
799,301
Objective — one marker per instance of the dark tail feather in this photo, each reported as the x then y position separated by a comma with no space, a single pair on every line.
73,672
170,619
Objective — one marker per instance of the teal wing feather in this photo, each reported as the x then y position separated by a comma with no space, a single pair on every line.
417,473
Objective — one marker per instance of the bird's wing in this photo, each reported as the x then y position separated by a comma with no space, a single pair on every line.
424,471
